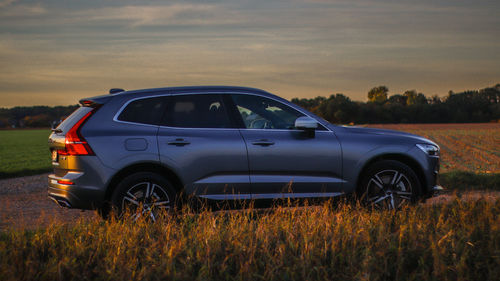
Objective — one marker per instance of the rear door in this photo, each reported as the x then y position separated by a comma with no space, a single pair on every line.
199,141
283,161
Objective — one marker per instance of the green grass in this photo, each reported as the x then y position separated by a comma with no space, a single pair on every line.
24,152
456,241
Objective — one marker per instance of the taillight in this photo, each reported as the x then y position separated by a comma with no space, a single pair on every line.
75,144
68,182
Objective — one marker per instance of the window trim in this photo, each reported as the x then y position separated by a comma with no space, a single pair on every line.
230,111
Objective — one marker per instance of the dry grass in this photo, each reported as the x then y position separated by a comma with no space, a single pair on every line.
456,241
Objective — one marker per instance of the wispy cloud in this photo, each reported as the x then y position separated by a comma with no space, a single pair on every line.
174,14
17,11
5,3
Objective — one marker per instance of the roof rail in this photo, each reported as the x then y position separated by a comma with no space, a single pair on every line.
116,90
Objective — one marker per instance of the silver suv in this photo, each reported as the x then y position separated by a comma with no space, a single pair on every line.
142,149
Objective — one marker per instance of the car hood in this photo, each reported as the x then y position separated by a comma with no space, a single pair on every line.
374,131
364,130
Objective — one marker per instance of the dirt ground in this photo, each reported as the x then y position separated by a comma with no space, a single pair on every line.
24,203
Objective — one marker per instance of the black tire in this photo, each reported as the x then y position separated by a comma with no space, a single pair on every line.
143,194
389,184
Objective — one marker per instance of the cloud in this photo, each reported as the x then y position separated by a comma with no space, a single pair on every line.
175,14
5,3
17,12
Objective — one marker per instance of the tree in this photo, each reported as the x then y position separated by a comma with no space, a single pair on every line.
411,97
378,94
397,99
435,99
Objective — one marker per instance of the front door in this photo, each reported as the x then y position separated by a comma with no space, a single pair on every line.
285,162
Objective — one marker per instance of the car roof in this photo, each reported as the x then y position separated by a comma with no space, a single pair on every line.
194,89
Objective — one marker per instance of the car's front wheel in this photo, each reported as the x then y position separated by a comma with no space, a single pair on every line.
144,194
389,184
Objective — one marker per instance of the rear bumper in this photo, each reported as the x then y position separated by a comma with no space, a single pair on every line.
73,195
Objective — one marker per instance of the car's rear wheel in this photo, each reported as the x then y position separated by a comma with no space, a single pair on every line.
144,194
389,184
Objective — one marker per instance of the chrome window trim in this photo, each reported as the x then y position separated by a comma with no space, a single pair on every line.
115,118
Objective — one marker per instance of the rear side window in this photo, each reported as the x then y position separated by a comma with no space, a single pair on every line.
145,111
197,111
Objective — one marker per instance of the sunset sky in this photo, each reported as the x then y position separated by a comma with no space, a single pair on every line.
54,52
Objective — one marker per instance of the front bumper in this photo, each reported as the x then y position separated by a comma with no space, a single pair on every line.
73,195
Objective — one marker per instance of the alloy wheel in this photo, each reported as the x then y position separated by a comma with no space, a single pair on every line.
388,189
146,199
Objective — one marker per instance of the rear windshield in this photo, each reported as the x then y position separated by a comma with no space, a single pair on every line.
73,118
145,111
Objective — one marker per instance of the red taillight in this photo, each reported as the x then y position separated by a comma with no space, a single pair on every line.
68,182
75,143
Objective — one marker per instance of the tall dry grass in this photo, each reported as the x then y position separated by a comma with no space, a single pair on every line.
457,241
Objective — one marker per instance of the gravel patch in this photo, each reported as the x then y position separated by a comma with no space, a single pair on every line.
24,204
23,185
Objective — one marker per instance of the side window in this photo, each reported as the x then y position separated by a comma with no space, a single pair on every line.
264,113
197,111
145,111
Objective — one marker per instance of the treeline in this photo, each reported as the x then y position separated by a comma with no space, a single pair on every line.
410,107
34,116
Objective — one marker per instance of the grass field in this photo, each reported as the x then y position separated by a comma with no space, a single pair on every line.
24,152
456,241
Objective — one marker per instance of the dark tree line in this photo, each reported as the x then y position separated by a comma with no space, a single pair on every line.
33,116
410,107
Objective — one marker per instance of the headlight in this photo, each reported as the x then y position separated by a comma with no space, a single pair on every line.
429,149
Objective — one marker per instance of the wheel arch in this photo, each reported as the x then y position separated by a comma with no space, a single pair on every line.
405,159
143,167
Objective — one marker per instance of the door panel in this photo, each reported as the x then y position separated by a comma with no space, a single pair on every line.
208,161
283,160
198,141
294,163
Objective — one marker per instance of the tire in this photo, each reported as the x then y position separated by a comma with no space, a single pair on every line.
389,184
143,194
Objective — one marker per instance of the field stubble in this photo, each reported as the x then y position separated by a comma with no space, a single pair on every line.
464,147
455,241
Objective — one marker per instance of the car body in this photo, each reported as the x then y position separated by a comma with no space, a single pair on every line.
224,143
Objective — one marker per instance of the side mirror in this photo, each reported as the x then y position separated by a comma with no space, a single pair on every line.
306,123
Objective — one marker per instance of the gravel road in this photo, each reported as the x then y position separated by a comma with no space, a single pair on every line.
24,203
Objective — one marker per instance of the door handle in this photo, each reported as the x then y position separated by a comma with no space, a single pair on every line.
263,142
178,142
